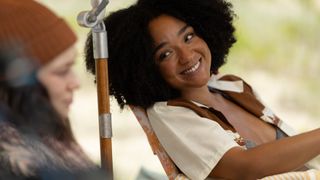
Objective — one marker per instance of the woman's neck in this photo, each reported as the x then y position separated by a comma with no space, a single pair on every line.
204,96
196,94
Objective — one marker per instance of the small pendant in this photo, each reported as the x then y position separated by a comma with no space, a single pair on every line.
240,141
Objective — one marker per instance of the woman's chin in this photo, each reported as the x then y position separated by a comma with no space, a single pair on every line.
63,113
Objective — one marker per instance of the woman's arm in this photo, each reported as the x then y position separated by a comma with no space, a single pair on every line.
267,159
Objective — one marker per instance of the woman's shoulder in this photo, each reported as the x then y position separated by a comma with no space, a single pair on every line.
227,77
164,109
180,129
229,82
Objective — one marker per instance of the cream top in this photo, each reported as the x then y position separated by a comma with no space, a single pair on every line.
195,144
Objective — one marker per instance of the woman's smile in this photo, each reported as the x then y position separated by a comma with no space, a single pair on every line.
192,68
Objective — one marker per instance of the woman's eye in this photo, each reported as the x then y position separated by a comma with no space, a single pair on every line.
188,37
62,72
164,55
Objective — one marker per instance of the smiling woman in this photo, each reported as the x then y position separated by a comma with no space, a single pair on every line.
165,56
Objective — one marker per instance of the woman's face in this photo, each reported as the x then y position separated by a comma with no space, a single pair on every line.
184,59
60,81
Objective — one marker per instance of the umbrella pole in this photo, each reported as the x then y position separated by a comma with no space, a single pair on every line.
93,20
105,128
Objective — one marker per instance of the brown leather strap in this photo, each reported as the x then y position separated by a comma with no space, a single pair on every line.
209,113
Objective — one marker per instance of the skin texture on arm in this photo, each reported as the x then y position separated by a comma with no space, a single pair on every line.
275,157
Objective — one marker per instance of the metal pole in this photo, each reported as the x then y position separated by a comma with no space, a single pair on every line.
93,20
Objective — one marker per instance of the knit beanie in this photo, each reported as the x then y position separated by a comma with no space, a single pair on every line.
41,33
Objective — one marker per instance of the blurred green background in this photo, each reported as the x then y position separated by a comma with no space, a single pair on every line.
277,52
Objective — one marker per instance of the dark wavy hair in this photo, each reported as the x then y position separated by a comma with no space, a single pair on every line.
134,76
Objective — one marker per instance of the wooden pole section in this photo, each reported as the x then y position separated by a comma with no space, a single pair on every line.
104,112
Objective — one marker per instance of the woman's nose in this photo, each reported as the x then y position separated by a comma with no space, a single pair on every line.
74,82
185,55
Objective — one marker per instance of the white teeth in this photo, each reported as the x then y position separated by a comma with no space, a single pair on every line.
192,69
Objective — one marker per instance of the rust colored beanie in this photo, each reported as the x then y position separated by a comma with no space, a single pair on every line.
35,28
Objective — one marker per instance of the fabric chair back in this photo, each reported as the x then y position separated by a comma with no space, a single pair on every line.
168,165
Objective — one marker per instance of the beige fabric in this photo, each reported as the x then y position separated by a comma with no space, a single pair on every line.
234,86
301,175
181,177
195,144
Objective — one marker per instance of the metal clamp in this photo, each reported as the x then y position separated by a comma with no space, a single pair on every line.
105,126
100,41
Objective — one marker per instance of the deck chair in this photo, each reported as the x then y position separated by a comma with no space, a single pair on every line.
171,169
168,165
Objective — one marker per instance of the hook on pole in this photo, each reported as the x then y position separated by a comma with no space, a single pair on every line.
94,16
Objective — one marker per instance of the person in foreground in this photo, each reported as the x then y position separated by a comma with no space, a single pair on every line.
164,56
36,91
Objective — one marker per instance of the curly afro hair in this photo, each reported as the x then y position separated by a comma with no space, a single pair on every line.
133,74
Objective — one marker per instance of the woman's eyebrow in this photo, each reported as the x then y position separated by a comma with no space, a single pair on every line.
159,47
183,29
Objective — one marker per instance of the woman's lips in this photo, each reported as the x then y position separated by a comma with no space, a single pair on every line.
192,69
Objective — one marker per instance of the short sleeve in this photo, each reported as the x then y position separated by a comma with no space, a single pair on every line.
195,144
